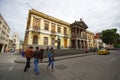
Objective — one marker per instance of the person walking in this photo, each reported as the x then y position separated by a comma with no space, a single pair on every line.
41,51
51,59
36,55
28,55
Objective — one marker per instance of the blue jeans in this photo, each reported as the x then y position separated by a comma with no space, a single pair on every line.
51,62
36,65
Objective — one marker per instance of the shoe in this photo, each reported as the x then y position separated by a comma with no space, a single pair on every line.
37,73
28,66
25,70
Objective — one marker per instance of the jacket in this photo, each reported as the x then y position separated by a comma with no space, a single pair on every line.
29,53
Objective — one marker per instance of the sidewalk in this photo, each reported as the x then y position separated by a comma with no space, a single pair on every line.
21,59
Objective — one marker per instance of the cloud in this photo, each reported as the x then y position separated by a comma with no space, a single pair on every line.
97,14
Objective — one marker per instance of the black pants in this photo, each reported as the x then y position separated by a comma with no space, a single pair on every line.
27,64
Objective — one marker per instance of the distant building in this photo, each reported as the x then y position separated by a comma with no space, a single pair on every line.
4,34
98,41
21,44
16,40
90,40
10,44
47,31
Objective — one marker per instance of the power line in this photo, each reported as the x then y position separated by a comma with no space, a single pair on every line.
28,5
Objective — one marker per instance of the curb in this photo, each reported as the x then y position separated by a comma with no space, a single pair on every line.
16,61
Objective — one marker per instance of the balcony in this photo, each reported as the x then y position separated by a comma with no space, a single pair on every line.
78,36
34,29
53,33
66,35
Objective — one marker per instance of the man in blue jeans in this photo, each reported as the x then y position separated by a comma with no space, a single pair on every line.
51,59
36,56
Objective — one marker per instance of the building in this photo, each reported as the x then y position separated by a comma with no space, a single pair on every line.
16,40
98,41
21,44
10,44
4,34
46,31
90,40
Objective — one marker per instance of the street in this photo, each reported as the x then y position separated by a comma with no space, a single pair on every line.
93,67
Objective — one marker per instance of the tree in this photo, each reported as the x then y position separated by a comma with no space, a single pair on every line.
117,40
109,36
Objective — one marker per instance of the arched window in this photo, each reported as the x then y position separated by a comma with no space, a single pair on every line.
35,40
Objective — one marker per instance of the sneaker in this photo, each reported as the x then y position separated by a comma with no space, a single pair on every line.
25,70
37,73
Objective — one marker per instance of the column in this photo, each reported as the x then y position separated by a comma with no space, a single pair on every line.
79,31
3,48
75,31
76,44
80,45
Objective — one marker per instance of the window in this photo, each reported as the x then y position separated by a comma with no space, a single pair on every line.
59,30
36,22
52,41
45,40
65,30
35,40
46,24
53,28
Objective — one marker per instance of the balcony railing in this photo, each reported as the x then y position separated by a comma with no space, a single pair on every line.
34,29
66,35
53,33
79,36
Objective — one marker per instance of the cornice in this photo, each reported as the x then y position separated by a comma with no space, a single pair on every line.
48,17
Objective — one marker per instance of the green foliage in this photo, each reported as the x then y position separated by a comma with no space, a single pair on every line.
110,36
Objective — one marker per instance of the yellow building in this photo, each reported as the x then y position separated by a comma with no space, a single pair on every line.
90,40
46,31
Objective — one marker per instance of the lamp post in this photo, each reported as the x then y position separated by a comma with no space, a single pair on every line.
58,45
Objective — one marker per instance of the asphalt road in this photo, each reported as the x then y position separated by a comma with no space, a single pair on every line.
93,67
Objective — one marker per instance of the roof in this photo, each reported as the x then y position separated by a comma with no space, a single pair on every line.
33,11
79,24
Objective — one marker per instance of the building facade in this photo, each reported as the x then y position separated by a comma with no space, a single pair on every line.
46,31
4,34
90,40
16,40
99,42
10,44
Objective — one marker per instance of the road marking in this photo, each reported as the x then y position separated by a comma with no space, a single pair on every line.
112,59
10,69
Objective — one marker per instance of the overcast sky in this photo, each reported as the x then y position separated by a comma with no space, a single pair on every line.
97,14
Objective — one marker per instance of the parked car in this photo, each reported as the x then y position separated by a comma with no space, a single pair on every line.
103,51
12,50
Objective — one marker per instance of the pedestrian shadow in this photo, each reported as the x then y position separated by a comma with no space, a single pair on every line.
44,74
61,67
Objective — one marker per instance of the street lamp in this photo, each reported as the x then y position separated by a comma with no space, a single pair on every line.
58,45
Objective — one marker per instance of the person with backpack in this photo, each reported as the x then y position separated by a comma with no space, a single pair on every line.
28,55
36,55
51,59
42,52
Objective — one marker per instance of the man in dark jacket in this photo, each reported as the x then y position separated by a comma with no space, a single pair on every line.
36,55
28,55
41,51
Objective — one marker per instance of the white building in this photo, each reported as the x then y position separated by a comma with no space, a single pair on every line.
16,40
4,35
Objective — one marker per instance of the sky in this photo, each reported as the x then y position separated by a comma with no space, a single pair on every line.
98,15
